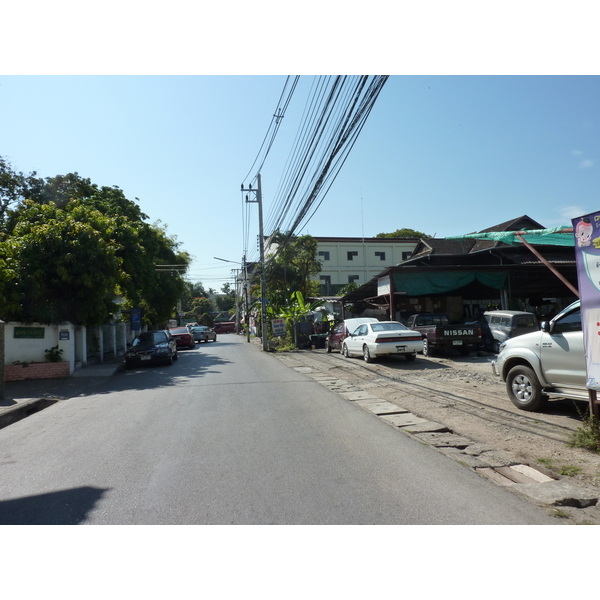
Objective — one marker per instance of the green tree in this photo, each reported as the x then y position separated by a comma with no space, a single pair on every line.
291,269
60,265
192,291
12,185
68,247
403,233
202,307
227,301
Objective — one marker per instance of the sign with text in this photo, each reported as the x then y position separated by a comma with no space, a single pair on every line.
384,286
587,254
29,333
278,326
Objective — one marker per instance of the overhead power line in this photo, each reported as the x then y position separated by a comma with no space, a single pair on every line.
334,115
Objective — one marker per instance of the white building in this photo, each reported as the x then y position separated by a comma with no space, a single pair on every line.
346,260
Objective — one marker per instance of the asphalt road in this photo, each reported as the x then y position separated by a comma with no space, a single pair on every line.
229,435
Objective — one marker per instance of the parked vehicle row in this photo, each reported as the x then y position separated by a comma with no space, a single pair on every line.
161,346
369,337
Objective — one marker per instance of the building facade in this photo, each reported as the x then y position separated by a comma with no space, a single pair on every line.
346,260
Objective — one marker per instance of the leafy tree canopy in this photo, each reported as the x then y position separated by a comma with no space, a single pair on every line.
403,233
226,302
69,247
290,271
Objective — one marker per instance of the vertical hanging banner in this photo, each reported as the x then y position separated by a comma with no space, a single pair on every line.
587,254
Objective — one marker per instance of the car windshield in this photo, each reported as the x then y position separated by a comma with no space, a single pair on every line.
387,327
150,337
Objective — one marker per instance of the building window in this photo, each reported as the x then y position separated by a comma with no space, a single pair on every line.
325,279
352,254
381,255
406,255
352,278
324,255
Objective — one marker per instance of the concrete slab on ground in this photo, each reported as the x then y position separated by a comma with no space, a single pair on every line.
380,408
403,420
358,395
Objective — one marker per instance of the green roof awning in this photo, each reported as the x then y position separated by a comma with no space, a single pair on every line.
556,236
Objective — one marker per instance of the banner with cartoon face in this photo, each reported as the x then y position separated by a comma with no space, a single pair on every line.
587,254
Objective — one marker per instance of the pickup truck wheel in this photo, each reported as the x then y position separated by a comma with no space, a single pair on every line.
426,349
366,354
524,389
345,351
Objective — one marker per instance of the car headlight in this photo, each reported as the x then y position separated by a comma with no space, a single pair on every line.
162,349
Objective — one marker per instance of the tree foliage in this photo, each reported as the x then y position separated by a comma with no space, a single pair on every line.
68,248
227,301
403,233
291,269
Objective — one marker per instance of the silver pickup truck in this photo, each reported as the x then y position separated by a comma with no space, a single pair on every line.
549,363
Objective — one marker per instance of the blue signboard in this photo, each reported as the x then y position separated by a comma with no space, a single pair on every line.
135,319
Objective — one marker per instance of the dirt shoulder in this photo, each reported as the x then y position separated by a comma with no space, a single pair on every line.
463,394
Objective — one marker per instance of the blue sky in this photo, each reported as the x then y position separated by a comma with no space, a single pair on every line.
462,136
440,154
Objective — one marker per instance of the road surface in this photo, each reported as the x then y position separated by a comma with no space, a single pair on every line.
230,435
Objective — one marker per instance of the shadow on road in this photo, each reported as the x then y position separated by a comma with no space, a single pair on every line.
67,507
191,364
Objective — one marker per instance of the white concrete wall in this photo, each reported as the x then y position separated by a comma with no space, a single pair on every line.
74,343
33,350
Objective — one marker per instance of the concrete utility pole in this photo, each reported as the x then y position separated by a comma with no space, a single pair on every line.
263,281
247,312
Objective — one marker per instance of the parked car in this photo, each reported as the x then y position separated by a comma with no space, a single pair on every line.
372,340
342,330
545,364
202,333
440,334
501,325
183,337
224,327
151,347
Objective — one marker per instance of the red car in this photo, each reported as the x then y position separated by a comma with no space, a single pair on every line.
183,337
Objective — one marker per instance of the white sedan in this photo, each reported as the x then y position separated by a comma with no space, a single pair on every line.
371,340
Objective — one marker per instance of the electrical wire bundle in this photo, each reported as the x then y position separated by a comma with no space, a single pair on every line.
335,113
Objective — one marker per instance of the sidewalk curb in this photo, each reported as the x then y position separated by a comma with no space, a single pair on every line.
25,409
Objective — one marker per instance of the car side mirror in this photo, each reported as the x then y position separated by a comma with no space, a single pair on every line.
547,326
